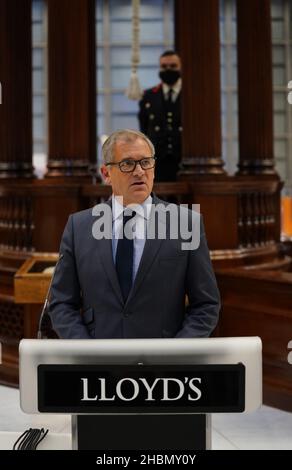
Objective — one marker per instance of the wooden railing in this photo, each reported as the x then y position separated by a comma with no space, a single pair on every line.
257,219
178,193
33,216
16,223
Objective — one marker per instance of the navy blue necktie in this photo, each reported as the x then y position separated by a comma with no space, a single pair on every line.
125,258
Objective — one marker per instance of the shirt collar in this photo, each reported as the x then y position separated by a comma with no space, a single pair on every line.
176,87
143,209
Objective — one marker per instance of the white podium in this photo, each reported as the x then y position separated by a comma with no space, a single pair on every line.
154,394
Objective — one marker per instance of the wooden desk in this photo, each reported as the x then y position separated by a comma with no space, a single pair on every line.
31,284
32,280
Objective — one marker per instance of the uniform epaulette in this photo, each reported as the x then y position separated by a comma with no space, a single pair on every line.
156,88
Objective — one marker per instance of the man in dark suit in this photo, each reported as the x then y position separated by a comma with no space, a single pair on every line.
135,286
160,117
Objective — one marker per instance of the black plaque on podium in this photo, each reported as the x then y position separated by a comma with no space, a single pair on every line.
160,389
128,407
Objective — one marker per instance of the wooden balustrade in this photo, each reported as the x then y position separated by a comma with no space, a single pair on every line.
257,216
16,223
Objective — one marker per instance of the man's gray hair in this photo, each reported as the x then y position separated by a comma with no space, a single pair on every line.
123,135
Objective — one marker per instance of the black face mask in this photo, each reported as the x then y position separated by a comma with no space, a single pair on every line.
168,76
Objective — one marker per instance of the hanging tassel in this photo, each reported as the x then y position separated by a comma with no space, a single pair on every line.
134,91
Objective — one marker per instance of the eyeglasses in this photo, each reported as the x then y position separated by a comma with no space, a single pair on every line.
128,166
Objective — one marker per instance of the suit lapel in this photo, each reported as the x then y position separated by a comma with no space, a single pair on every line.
161,101
150,251
158,102
105,252
106,255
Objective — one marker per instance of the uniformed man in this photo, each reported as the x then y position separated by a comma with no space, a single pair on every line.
160,117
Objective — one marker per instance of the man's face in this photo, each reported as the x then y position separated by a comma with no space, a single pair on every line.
134,187
171,62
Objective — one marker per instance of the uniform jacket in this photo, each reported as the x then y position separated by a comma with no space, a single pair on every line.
161,122
86,300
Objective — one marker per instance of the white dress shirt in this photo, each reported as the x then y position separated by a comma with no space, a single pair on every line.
176,88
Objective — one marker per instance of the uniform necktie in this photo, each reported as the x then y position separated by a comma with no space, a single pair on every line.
125,258
169,95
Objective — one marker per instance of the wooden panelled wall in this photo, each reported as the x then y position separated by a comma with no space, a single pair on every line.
241,212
